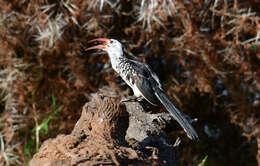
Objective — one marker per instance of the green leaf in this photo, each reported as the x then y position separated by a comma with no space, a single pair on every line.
203,162
44,128
41,129
254,47
28,147
53,101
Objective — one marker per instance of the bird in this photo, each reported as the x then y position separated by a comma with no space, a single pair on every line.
142,80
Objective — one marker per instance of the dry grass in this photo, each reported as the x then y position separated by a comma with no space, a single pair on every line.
206,52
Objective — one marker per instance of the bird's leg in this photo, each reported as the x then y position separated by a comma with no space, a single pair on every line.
131,98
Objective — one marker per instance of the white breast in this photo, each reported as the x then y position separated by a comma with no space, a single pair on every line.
137,92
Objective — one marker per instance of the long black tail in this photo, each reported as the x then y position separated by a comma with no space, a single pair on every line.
192,134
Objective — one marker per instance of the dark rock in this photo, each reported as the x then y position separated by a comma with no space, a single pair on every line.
99,138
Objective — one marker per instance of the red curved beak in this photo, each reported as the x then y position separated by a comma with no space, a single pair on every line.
103,46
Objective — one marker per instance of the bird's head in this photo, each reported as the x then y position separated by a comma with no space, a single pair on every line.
113,47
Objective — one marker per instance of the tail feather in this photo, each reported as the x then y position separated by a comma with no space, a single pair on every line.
192,134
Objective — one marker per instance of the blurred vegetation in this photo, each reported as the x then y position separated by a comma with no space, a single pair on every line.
40,130
205,51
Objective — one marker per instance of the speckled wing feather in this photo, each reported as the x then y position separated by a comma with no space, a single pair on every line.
144,81
151,88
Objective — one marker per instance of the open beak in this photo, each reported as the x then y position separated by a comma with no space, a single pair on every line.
102,46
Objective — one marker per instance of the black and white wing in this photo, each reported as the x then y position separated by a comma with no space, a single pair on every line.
151,89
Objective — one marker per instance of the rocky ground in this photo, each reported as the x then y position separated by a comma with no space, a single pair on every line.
111,133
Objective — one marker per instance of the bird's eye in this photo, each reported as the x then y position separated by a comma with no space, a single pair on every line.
111,41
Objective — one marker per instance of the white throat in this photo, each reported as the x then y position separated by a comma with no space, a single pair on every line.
115,55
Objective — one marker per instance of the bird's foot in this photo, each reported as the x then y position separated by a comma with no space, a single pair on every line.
130,99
